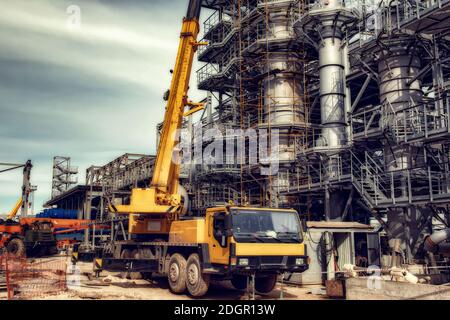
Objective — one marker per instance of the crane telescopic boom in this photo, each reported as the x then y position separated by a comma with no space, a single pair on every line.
12,214
162,197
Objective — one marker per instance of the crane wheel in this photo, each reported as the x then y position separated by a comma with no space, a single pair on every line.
16,247
239,282
265,284
197,282
176,274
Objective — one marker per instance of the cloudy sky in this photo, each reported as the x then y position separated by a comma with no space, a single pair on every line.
90,91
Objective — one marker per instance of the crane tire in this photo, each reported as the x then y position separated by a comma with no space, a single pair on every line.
176,274
16,247
265,284
239,282
197,282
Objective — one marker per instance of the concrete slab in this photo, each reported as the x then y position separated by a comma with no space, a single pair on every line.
362,289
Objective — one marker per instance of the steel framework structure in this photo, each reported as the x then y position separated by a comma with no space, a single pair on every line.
358,92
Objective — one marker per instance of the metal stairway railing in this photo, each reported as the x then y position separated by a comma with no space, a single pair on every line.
367,180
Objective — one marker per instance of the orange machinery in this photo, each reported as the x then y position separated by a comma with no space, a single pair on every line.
37,234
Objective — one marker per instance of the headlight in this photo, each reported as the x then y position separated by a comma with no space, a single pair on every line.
299,261
243,262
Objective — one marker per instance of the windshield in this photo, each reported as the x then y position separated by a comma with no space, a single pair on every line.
266,226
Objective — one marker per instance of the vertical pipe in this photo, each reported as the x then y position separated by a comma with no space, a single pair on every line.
333,67
332,95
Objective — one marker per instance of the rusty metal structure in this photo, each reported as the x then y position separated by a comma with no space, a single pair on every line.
64,175
358,94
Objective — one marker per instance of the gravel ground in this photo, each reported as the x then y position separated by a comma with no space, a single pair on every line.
111,286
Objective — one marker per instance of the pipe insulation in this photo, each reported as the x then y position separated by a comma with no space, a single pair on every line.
433,243
283,107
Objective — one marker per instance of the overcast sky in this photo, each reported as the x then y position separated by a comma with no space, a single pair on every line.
91,93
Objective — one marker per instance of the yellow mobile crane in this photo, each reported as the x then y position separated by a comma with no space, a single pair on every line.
229,242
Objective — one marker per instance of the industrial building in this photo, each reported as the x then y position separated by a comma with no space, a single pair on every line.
356,93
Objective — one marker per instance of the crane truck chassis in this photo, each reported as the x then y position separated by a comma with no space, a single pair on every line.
229,243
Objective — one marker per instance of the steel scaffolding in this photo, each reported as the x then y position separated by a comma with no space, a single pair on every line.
358,91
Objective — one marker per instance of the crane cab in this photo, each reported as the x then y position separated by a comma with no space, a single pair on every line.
242,238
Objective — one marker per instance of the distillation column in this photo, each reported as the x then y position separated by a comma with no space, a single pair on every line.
332,96
283,107
400,89
324,22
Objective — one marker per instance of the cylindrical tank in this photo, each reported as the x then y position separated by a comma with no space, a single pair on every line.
332,91
396,71
283,106
283,100
283,90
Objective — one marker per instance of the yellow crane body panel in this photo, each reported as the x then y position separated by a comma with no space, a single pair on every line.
188,231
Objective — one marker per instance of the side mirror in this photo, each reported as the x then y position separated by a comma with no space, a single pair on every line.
304,225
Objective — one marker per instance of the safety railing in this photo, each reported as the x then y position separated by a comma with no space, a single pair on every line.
421,184
262,35
214,196
377,186
221,40
415,9
395,14
249,8
229,59
366,122
417,121
37,279
206,72
263,3
214,20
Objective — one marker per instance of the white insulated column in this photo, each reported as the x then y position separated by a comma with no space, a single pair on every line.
283,106
396,69
332,95
332,76
325,21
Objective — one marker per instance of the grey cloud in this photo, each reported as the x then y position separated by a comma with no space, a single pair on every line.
91,94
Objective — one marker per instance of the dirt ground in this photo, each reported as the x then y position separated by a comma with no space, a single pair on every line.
112,286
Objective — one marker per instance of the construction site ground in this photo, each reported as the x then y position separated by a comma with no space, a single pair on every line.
114,286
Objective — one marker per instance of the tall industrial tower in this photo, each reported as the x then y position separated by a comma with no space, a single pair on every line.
64,175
